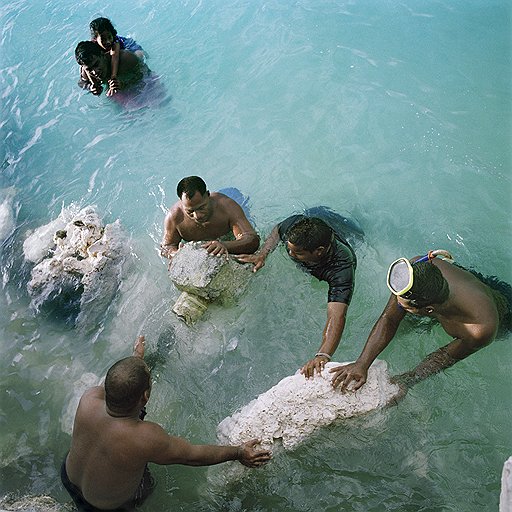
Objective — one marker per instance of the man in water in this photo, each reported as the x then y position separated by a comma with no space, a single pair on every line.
106,467
95,69
470,307
324,253
214,217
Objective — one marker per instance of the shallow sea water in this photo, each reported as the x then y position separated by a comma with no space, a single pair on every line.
396,113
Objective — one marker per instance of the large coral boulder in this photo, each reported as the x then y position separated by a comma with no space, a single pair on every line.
295,407
78,259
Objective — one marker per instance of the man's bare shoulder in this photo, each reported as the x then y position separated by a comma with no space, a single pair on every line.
131,67
97,392
151,438
471,289
227,206
477,317
222,200
129,59
175,213
151,428
92,400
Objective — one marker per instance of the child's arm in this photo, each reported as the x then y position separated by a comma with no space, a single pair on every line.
132,72
114,56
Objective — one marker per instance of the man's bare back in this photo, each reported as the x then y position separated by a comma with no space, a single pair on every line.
106,460
471,314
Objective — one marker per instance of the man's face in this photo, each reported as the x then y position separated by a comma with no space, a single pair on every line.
98,67
105,40
411,308
300,254
198,207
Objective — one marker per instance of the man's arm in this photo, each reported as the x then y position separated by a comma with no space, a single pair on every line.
89,83
336,316
172,238
139,346
176,450
442,358
259,258
380,336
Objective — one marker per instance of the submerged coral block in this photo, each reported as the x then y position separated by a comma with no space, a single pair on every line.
296,406
205,279
506,487
39,503
190,307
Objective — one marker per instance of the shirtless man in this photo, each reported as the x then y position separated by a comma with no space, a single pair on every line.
468,309
106,467
199,215
95,69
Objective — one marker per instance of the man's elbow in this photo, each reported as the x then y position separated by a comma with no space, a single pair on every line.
253,244
485,335
472,345
481,342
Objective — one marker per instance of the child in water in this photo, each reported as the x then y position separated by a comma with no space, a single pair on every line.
104,33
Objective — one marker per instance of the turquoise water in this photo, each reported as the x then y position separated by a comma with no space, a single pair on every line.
396,113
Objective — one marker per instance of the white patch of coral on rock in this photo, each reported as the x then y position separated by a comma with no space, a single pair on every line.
6,213
295,407
38,243
506,487
76,253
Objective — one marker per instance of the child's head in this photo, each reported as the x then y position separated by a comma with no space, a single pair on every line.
103,32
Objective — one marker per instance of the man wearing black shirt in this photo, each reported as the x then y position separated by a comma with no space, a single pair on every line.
323,252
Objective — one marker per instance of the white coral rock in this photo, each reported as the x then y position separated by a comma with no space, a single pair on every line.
296,406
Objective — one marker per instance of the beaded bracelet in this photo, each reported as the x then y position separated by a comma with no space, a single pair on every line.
323,354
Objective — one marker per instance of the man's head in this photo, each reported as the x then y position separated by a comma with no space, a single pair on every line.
195,198
309,239
90,55
429,288
190,185
127,383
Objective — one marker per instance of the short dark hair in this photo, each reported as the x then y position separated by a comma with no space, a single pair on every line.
190,185
126,382
85,51
310,233
100,25
429,285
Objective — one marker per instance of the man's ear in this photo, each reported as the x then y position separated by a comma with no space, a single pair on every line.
146,395
320,250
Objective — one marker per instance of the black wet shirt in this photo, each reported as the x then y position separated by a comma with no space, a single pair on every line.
337,268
